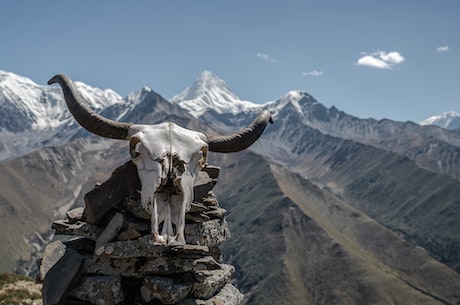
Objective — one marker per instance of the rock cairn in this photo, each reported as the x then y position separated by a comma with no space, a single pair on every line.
106,255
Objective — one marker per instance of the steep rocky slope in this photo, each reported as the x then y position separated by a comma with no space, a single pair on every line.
417,203
37,188
294,243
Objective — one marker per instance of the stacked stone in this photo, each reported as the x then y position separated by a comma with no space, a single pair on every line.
113,260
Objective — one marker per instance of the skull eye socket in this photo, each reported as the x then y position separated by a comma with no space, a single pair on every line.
134,147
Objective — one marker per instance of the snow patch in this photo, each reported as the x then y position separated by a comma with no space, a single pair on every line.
448,120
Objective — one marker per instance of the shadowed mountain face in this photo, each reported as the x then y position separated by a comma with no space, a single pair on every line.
393,189
40,187
294,243
386,180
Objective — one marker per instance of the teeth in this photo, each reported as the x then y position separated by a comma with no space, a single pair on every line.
176,182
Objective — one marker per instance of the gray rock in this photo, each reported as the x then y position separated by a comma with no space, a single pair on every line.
100,290
104,198
228,295
61,278
79,228
80,244
166,290
209,233
197,208
209,282
189,250
216,213
75,215
212,171
196,217
137,225
133,205
139,267
144,247
110,231
54,251
129,235
210,200
206,263
203,184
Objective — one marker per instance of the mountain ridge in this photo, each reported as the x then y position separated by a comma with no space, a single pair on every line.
343,221
34,116
448,120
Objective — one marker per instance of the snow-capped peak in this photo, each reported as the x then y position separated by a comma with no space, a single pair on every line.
210,92
296,99
448,120
33,114
292,97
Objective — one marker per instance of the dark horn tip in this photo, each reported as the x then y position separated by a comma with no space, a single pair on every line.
267,113
54,79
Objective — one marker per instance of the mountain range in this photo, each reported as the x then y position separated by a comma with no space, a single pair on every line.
326,208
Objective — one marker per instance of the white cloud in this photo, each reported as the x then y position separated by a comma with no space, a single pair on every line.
313,73
266,57
381,60
442,49
392,57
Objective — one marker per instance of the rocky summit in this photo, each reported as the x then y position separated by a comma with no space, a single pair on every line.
104,253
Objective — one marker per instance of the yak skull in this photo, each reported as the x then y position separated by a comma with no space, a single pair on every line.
167,156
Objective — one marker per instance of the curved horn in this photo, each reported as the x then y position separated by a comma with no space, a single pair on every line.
85,116
242,139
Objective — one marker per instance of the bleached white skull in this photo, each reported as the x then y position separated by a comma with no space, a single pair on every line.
167,156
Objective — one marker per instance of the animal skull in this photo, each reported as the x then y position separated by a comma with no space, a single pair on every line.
167,156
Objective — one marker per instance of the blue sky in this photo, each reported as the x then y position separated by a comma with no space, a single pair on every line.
381,59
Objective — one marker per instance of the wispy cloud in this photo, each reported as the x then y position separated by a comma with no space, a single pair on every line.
266,57
442,49
313,73
381,60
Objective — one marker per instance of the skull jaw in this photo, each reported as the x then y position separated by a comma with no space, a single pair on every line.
168,210
167,191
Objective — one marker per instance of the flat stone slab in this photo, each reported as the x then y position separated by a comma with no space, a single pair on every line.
228,295
79,228
54,251
62,278
110,231
75,215
138,267
144,247
102,199
208,282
